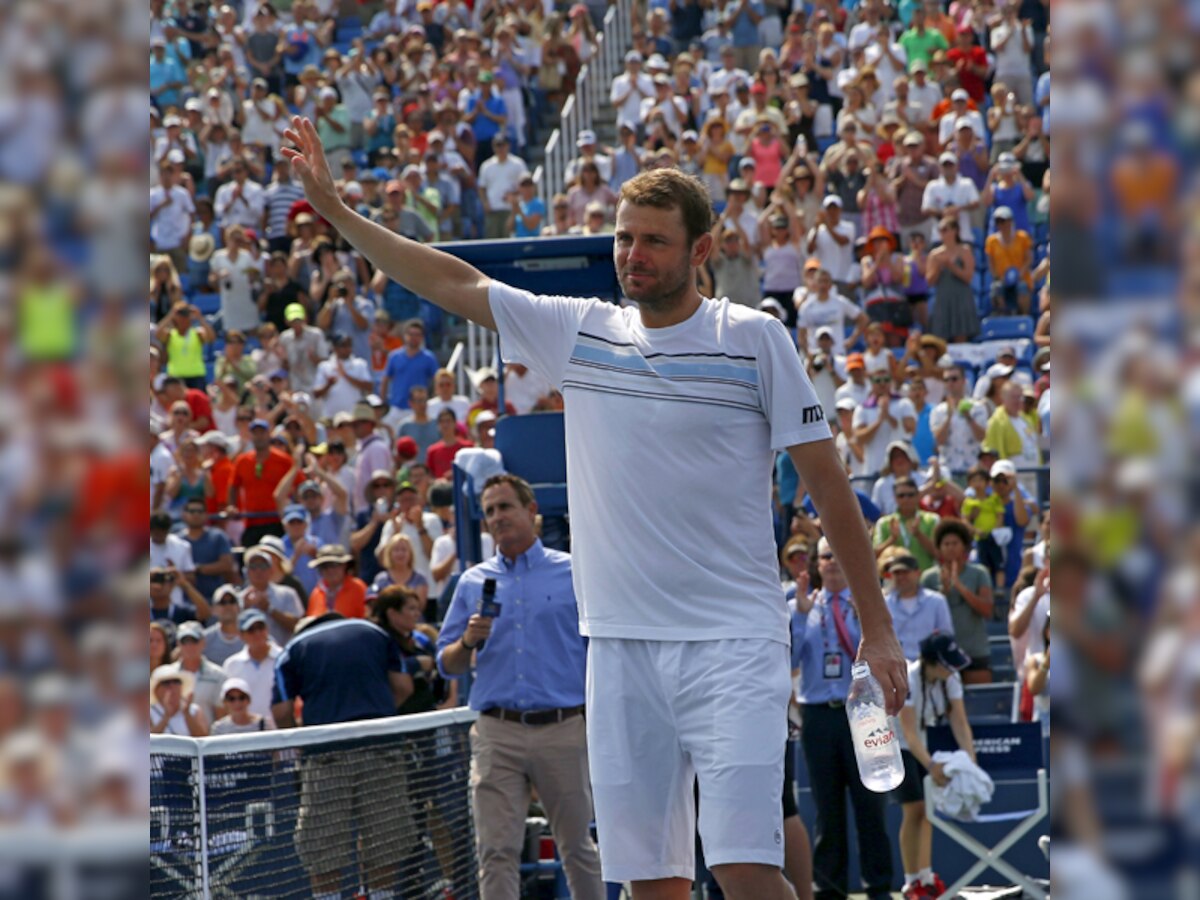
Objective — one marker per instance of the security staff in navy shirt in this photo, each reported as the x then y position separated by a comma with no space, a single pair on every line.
825,639
530,663
345,670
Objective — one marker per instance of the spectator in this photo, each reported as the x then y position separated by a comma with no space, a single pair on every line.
206,676
440,456
901,461
211,549
920,41
857,387
409,517
1006,186
337,590
343,379
171,708
411,364
967,588
882,280
184,333
279,292
444,396
1012,435
560,223
236,274
171,216
528,210
880,419
909,526
970,63
831,241
238,698
303,346
590,189
173,553
375,507
1010,258
396,558
233,363
418,426
239,201
488,386
826,309
223,638
916,611
630,88
734,269
951,270
487,114
254,664
952,195
627,158
1012,44
256,474
958,423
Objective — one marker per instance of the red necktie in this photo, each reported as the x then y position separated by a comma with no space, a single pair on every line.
839,623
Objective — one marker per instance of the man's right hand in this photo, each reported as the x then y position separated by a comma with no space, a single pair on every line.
309,163
479,628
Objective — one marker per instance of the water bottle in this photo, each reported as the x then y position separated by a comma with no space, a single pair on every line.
876,736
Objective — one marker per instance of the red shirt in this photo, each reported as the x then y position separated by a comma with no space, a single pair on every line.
350,600
222,475
494,406
968,80
440,457
255,483
948,508
201,408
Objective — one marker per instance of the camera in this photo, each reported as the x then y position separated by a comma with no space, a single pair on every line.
819,362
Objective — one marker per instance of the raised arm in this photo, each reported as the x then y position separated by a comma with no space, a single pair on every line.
445,280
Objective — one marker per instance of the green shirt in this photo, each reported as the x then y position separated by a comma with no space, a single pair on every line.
922,46
332,139
970,628
926,523
429,217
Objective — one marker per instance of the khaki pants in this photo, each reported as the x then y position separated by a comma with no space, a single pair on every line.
495,224
506,759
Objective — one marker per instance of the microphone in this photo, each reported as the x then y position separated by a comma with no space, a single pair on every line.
488,606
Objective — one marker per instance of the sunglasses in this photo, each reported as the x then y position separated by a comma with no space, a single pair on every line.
181,415
950,379
907,495
825,556
227,601
258,564
196,510
236,698
883,379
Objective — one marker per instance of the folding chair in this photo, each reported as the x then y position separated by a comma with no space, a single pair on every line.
1010,754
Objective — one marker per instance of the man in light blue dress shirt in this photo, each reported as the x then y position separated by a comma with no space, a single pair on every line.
824,642
917,612
530,663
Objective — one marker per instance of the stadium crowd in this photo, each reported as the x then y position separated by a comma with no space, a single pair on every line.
880,175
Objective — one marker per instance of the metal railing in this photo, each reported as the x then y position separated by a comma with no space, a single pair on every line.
591,92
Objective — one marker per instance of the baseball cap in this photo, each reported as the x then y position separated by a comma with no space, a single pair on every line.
260,423
944,649
812,264
1003,212
770,303
1003,467
251,617
225,590
234,683
689,135
738,184
1007,160
393,187
961,122
948,158
486,76
903,562
832,200
847,403
352,188
633,57
403,486
295,513
407,448
309,487
960,94
587,136
1000,370
172,122
327,93
919,66
824,331
411,169
190,631
294,311
855,361
747,162
758,88
913,139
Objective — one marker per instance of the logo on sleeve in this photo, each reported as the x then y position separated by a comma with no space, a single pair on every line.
812,414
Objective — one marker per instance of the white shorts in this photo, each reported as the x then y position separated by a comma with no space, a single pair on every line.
663,714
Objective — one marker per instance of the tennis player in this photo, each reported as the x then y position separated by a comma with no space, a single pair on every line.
674,409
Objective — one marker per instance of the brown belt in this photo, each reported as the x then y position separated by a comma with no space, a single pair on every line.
534,716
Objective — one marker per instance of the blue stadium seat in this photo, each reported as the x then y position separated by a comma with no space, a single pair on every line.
1006,328
534,447
1002,659
208,303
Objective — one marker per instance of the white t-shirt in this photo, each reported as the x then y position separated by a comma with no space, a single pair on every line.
161,464
260,677
1012,58
960,450
173,550
499,178
433,525
680,546
444,548
875,450
173,224
1031,641
833,312
458,403
939,195
237,288
343,395
835,258
929,700
949,123
877,362
524,391
177,724
243,209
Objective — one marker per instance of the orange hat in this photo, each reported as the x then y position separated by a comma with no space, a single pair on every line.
811,264
880,232
855,361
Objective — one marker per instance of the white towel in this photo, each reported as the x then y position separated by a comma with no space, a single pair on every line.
969,787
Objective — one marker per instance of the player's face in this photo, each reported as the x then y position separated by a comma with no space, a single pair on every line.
653,256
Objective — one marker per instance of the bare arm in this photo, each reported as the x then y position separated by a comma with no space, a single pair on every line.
443,279
821,470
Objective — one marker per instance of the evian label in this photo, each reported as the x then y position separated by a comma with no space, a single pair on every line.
880,737
874,729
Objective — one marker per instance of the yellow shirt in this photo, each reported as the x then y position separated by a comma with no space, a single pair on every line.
185,354
1009,256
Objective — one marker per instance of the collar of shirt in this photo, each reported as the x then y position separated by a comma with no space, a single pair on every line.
526,561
